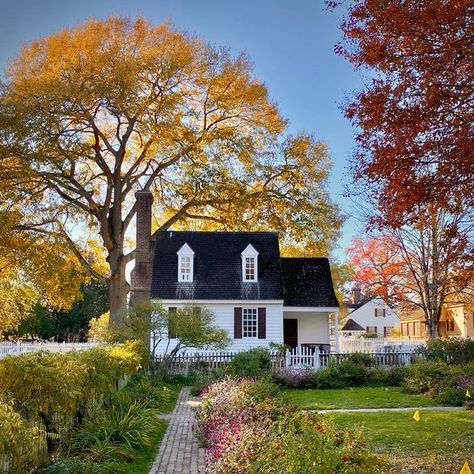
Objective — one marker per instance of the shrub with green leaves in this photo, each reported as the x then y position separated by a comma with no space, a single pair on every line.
251,363
115,434
454,351
431,377
20,443
341,376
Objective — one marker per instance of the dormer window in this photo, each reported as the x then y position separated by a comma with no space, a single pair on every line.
249,264
185,264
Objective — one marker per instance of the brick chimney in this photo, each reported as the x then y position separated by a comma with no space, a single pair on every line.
141,274
356,295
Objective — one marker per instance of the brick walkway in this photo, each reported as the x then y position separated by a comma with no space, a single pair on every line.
179,451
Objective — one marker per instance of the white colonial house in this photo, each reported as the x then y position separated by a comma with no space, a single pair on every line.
370,316
256,295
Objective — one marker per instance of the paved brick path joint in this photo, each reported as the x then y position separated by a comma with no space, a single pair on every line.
179,450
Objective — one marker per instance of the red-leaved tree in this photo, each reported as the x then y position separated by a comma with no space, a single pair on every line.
415,139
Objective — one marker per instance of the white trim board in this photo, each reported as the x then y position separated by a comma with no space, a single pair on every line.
240,302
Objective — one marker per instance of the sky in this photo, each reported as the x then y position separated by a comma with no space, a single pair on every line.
291,43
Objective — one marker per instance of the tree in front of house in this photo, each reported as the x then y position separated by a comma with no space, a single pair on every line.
415,140
425,265
183,328
93,113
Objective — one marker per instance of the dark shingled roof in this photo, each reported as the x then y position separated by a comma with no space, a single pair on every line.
308,282
351,325
217,266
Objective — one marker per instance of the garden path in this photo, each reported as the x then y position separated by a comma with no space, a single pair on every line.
179,450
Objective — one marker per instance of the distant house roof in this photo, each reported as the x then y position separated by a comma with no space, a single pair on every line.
351,325
217,266
218,270
354,306
308,282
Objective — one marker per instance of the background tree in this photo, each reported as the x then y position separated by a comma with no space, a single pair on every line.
95,112
33,268
415,140
66,325
424,265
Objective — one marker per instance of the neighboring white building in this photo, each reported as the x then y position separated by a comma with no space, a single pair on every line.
370,315
257,296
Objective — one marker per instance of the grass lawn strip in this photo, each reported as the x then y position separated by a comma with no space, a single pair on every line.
439,443
359,397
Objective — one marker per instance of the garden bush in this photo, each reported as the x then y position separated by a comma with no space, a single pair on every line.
341,376
360,358
56,392
149,391
116,433
20,443
248,428
456,351
431,377
252,363
295,377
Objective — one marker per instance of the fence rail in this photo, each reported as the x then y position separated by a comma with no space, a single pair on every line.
297,358
205,361
379,344
16,348
316,359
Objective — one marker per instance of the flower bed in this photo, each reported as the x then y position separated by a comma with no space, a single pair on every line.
247,428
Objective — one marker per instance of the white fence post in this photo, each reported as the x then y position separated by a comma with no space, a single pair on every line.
316,362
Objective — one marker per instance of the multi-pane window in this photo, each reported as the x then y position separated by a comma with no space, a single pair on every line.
379,312
371,329
249,322
250,269
185,268
449,324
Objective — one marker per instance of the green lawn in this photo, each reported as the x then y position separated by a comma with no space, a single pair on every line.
359,397
439,443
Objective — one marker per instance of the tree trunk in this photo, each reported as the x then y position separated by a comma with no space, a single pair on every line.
432,323
118,289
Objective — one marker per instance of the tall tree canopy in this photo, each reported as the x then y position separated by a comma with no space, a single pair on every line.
415,139
34,268
95,112
425,265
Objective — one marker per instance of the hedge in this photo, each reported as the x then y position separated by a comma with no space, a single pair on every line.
45,396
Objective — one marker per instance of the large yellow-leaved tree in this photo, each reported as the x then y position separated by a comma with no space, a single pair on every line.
93,113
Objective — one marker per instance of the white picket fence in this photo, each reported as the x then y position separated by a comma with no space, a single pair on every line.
16,348
205,361
379,344
305,357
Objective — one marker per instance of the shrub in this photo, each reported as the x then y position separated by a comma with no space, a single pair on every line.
248,429
296,377
434,377
148,391
116,433
19,442
252,363
454,351
202,382
452,396
360,358
341,376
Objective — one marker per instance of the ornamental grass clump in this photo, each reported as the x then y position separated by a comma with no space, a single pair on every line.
248,428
